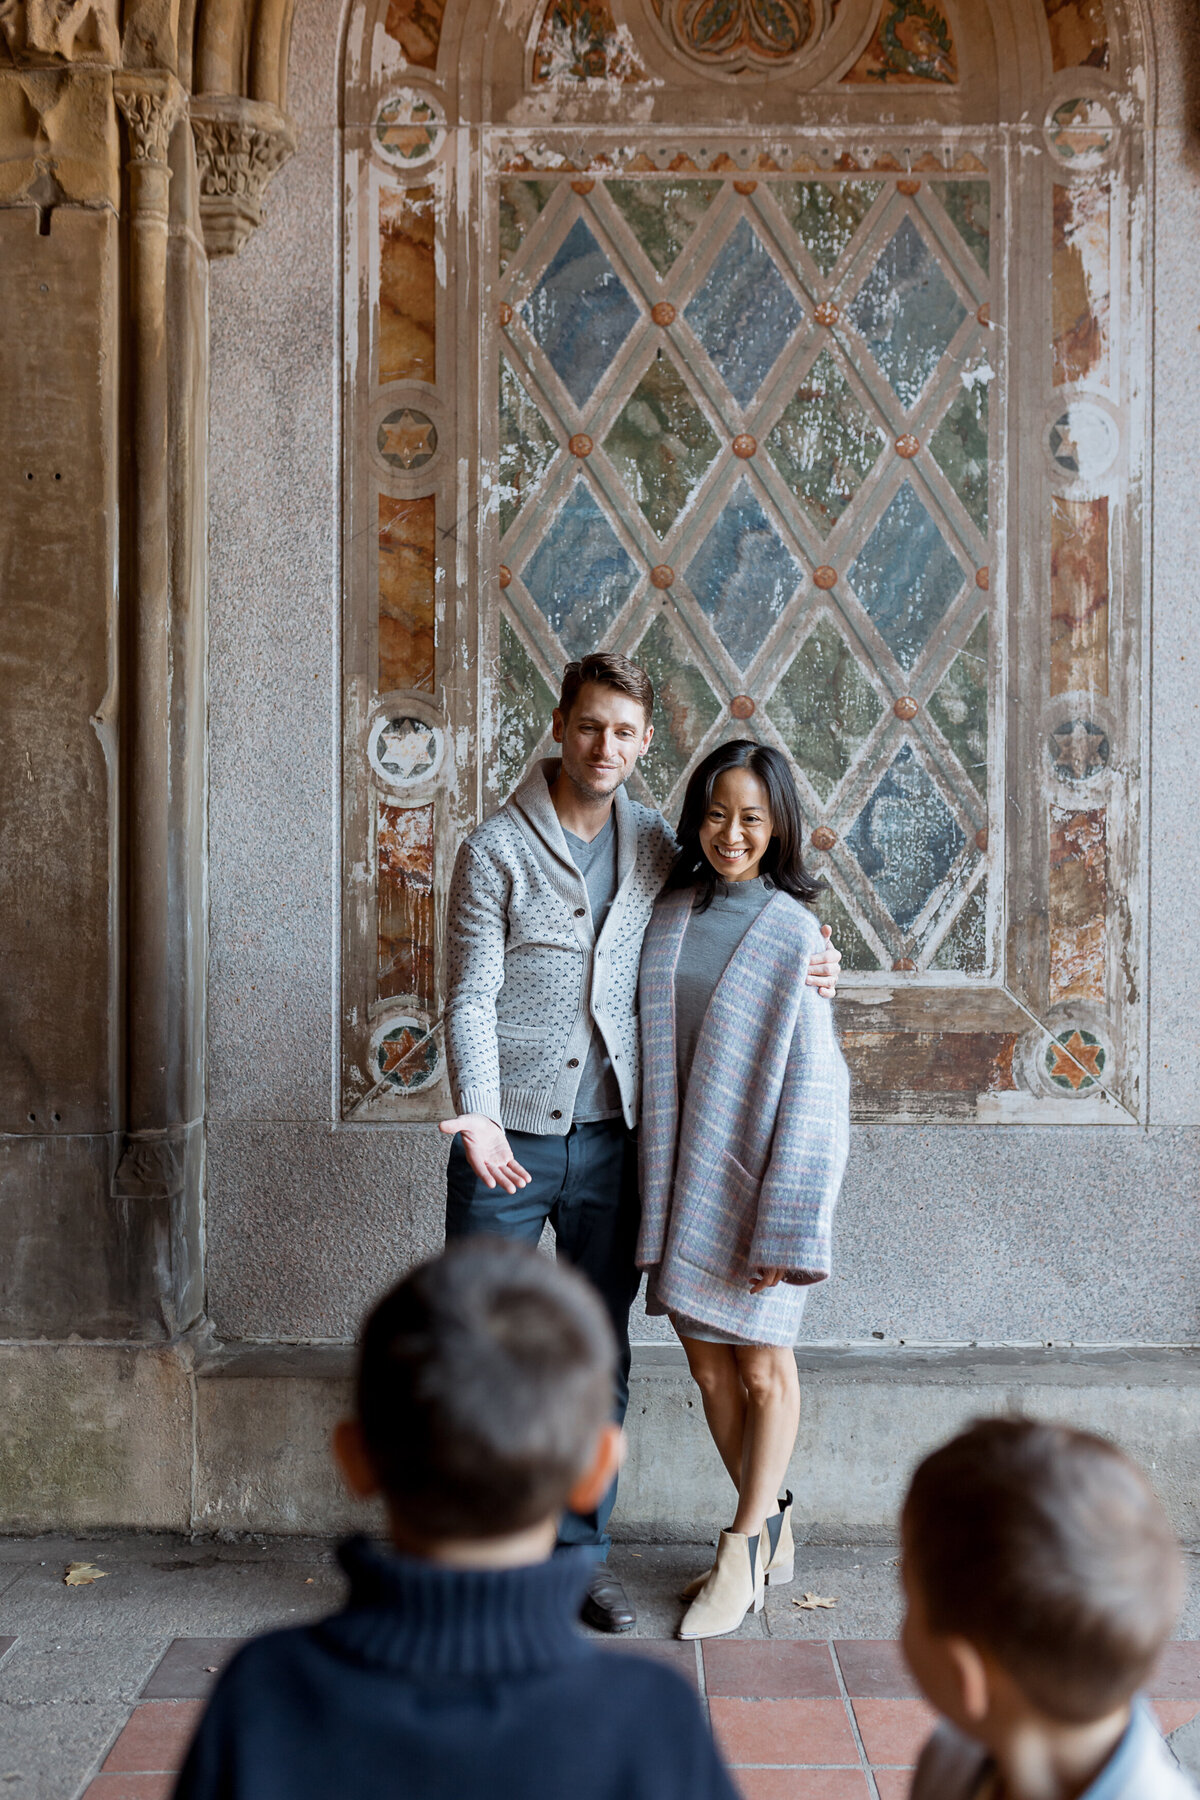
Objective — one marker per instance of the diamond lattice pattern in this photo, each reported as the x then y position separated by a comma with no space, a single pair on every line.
743,436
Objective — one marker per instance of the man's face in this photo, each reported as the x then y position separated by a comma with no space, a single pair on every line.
602,737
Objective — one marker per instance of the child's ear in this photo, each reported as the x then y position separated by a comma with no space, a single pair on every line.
970,1677
350,1455
601,1471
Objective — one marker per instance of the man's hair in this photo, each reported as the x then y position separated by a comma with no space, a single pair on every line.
484,1378
612,670
1048,1548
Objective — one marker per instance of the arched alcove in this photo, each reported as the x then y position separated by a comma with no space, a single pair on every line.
805,363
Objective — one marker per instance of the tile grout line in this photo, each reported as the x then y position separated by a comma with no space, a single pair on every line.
869,1772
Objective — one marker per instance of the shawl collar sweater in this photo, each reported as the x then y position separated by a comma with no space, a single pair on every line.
954,1767
449,1684
745,1172
528,980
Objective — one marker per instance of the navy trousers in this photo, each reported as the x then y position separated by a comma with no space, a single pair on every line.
586,1185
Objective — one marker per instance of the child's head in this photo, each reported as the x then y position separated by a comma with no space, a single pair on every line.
485,1388
1041,1552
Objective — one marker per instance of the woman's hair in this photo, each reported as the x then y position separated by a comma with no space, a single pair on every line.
782,863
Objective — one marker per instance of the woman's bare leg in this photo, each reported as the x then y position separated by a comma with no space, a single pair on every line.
715,1371
768,1376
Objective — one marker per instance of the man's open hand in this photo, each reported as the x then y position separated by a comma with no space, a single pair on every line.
823,968
487,1150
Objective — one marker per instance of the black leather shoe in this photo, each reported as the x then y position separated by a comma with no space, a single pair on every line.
606,1606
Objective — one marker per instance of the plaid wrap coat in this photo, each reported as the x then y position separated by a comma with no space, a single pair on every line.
746,1177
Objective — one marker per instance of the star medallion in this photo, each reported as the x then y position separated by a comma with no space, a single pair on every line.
1080,749
407,438
1075,1062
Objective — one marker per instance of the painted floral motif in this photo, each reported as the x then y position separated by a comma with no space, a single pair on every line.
579,41
912,42
416,25
1078,33
739,33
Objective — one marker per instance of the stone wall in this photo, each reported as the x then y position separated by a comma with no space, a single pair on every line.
947,1234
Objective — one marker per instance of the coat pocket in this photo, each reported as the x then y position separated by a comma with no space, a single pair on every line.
719,1221
525,1055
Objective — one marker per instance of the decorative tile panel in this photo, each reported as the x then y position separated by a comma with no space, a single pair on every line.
1081,280
406,593
960,448
825,708
906,577
407,293
662,444
1078,904
662,215
908,313
579,42
964,946
1079,596
906,839
824,444
580,312
524,702
959,706
527,445
744,314
580,574
685,707
969,205
405,903
826,214
521,204
743,575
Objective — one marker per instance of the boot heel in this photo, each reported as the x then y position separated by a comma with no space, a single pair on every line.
779,1574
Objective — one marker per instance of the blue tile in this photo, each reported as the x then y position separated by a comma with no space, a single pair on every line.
743,575
579,574
906,576
908,313
580,312
905,838
744,314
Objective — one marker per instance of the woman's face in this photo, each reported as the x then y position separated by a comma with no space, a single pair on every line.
736,829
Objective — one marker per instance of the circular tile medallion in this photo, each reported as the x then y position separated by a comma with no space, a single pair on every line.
410,128
405,1056
404,751
1084,441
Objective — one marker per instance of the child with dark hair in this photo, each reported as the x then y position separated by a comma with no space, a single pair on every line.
1042,1580
456,1670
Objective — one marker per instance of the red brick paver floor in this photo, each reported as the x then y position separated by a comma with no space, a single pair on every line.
796,1720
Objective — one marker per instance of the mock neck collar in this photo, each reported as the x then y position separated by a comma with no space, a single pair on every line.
421,1618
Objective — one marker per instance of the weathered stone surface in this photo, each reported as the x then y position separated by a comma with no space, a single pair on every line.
58,137
77,1260
94,1436
58,522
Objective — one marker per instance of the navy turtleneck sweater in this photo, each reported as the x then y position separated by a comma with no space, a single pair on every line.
445,1684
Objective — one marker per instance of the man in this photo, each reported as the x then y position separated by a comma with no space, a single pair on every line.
548,905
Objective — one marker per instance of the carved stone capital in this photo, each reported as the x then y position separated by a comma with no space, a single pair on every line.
150,1167
240,145
150,103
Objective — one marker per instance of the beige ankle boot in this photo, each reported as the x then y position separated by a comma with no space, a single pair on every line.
733,1586
778,1550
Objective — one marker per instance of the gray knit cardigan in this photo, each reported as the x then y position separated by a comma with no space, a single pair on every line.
526,975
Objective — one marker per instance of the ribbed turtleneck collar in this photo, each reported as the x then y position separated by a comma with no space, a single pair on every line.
422,1618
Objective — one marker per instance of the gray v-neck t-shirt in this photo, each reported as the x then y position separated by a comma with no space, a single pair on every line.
599,1093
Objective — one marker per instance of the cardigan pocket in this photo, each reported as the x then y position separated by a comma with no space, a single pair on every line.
524,1054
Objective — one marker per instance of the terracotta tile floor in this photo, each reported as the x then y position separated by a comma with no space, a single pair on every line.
796,1720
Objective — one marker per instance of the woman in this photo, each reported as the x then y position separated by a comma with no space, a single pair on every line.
744,1129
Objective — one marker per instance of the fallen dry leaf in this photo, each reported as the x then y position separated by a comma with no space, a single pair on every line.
83,1574
210,1668
308,1581
811,1602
